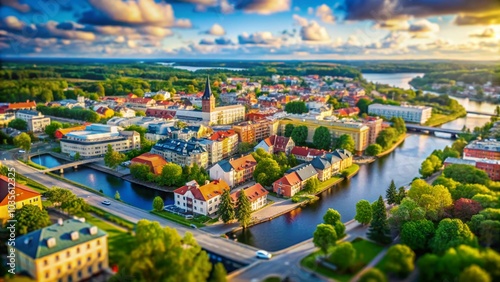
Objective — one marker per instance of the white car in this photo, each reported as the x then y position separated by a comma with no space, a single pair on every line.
263,254
106,202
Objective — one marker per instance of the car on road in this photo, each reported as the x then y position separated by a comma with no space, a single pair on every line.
22,151
193,226
263,254
106,202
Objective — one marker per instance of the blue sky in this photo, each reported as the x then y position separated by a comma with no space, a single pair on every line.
252,29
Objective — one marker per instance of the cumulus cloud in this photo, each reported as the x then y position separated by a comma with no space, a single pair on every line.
325,14
314,32
199,2
486,33
218,41
264,7
23,8
300,20
216,30
263,37
423,28
478,19
183,23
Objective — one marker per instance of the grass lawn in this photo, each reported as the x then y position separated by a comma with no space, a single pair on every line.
272,279
352,169
40,188
438,119
327,183
198,221
119,241
365,252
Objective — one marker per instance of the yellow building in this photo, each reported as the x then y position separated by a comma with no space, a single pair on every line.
71,250
20,196
358,131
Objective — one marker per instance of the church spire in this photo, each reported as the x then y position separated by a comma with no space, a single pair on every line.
208,92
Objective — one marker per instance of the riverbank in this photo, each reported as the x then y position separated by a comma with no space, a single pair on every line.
393,147
131,179
439,119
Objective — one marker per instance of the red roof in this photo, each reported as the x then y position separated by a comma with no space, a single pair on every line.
22,192
305,152
154,161
253,193
289,179
22,105
205,192
279,142
243,162
139,100
221,135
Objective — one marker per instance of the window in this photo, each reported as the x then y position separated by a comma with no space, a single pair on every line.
89,258
47,274
57,257
45,262
99,254
100,265
98,242
69,265
67,254
79,262
88,246
80,274
78,250
89,269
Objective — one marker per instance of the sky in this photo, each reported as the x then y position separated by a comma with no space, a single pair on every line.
252,29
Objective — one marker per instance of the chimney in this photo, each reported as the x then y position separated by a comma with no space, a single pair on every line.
60,222
51,242
74,235
93,230
207,181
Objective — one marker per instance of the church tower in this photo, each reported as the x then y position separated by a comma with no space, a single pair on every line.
207,100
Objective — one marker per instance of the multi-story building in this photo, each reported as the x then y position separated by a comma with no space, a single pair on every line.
5,118
153,161
416,114
22,196
256,194
275,144
306,154
182,152
61,132
305,172
255,131
375,126
288,185
226,142
94,140
36,120
491,167
234,171
357,130
71,250
204,200
13,107
482,149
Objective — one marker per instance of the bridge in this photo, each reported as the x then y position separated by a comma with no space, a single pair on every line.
72,164
431,130
483,114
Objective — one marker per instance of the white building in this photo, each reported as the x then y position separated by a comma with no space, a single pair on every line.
417,114
205,200
36,121
256,194
94,141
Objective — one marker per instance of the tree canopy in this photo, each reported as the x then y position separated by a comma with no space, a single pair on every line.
364,212
299,135
30,218
346,142
23,141
452,233
324,237
296,107
322,138
18,124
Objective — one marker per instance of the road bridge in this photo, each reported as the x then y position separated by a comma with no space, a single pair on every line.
72,164
480,113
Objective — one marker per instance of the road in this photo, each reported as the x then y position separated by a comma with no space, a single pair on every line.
232,250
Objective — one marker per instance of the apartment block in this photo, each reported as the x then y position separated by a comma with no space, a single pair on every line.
482,149
416,114
36,120
182,152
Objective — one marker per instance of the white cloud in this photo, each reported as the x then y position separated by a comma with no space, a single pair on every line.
486,33
314,32
325,13
183,23
216,30
300,20
263,7
262,38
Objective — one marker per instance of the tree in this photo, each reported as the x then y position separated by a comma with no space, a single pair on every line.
373,150
324,237
139,171
364,212
100,90
76,206
417,234
427,169
311,185
244,210
30,218
77,156
386,137
58,196
474,273
391,193
343,255
270,169
157,203
459,145
434,199
408,210
296,107
140,113
289,129
373,275
171,174
333,218
464,209
322,138
466,174
23,141
113,158
226,207
399,124
401,195
51,129
218,273
117,196
489,231
299,135
245,147
379,227
452,233
154,245
400,260
18,124
363,104
345,142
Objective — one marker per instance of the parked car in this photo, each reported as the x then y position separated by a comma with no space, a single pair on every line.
263,254
22,151
193,226
106,202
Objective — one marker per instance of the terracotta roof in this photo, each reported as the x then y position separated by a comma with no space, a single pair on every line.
139,100
154,161
305,152
22,105
22,192
221,135
279,142
289,179
253,193
65,131
243,162
205,192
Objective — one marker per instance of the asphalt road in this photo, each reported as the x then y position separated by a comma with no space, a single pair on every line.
233,250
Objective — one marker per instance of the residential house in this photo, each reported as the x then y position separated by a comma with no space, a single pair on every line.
181,152
256,194
36,121
5,118
153,161
347,112
345,156
287,185
305,172
255,131
234,171
226,143
204,200
306,154
275,144
323,167
14,107
124,111
70,250
160,113
17,199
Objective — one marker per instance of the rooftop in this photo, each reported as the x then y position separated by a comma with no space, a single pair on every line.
243,162
253,193
205,192
22,192
487,145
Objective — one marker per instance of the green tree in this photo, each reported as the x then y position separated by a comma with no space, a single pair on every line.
57,196
386,137
76,206
311,185
51,129
466,174
401,195
373,275
117,196
417,234
244,210
289,129
140,113
489,232
226,207
140,92
379,227
270,169
364,212
373,150
391,193
459,145
218,273
245,147
333,218
400,260
322,138
434,199
399,124
139,171
452,233
157,203
77,156
408,210
296,107
343,255
427,169
474,273
324,237
171,174
113,158
30,218
154,245
100,90
18,124
23,141
363,104
299,135
345,142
